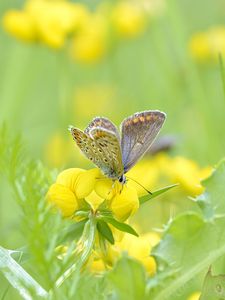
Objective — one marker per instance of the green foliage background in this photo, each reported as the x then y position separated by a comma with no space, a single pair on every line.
154,71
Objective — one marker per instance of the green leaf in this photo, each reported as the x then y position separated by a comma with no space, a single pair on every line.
105,231
212,203
128,279
191,242
19,278
119,225
72,232
213,287
156,193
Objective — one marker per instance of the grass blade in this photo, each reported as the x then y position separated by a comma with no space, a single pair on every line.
19,278
156,193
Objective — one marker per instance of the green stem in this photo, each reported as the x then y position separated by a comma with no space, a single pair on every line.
87,241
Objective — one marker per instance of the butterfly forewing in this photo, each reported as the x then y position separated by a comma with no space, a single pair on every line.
138,133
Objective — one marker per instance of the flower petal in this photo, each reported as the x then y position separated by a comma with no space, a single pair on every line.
125,203
104,188
63,199
68,178
94,200
85,182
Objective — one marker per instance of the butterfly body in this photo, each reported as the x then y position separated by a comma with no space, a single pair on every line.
101,143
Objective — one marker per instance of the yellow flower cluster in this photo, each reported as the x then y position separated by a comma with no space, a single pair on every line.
162,170
88,35
206,46
74,185
136,247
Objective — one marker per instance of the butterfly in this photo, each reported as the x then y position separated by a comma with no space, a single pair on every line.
113,153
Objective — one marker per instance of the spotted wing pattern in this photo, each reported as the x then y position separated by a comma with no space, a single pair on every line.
102,147
104,123
109,143
138,133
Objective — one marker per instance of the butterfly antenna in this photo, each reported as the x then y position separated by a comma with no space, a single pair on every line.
140,185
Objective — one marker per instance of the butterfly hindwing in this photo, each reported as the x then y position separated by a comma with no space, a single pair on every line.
109,143
101,147
102,123
138,133
87,145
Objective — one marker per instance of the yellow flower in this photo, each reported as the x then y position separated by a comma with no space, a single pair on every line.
199,47
73,186
90,43
206,46
49,22
57,150
163,170
189,175
129,20
55,20
98,97
194,296
136,247
20,25
139,248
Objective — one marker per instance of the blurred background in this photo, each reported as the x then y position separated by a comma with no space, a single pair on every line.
64,62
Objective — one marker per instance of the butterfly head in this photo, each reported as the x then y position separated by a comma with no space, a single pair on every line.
122,179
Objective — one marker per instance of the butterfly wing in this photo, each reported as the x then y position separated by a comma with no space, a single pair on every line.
102,147
108,142
138,133
103,123
86,144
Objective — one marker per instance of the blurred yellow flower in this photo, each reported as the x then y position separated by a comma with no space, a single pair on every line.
136,247
194,296
162,170
97,97
57,150
199,47
90,43
88,35
55,20
128,19
49,22
206,46
75,185
189,175
20,25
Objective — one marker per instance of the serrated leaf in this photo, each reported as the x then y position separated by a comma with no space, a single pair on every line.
119,225
191,242
105,231
156,193
213,287
128,279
